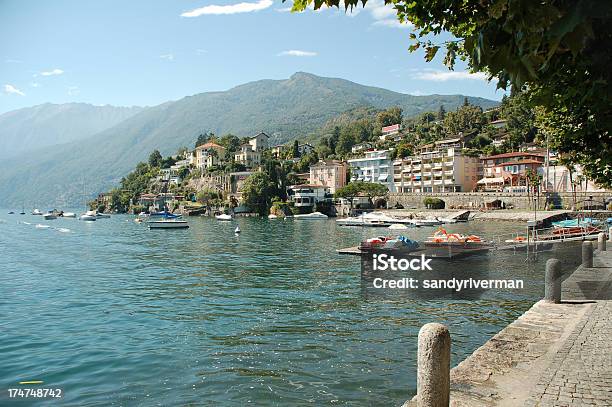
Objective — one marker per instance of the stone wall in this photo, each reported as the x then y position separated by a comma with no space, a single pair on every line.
469,200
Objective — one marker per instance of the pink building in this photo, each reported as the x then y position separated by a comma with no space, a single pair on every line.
329,173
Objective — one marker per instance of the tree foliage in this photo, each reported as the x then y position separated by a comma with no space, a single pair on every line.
559,51
360,188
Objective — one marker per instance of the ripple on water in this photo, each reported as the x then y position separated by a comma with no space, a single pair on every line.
117,314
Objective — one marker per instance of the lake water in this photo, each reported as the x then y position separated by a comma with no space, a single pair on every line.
116,314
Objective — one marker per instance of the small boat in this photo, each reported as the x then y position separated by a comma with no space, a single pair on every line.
389,243
49,216
100,215
223,216
569,223
22,211
272,216
11,213
40,226
237,230
36,212
168,224
88,216
398,226
310,216
69,215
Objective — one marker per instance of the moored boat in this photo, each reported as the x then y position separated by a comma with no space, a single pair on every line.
36,212
310,216
69,215
88,216
49,216
168,224
223,216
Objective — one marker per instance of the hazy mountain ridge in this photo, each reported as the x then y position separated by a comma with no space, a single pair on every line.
50,124
289,109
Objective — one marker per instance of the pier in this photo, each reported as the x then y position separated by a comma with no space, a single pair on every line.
555,354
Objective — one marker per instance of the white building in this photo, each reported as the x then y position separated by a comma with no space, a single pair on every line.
375,166
440,167
259,142
307,195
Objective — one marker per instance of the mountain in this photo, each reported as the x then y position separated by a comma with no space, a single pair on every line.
287,109
50,124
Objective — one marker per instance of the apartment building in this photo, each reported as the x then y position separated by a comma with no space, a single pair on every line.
330,173
375,166
439,167
208,155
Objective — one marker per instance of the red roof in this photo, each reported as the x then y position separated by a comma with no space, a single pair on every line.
519,162
209,145
514,154
388,129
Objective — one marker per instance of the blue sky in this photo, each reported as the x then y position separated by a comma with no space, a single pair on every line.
145,52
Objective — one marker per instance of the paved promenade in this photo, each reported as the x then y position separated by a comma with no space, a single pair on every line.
553,355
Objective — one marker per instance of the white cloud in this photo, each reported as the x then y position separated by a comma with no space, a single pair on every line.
168,57
200,51
73,90
379,10
391,23
297,53
11,90
284,10
34,84
229,9
13,61
443,76
52,72
416,93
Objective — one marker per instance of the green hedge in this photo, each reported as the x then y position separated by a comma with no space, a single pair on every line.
433,203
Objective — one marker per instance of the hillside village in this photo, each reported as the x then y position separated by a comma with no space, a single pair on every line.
467,150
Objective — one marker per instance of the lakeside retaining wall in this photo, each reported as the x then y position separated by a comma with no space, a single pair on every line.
473,200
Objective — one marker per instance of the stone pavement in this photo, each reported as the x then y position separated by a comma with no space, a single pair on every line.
553,355
581,372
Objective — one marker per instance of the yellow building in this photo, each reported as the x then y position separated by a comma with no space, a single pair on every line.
208,155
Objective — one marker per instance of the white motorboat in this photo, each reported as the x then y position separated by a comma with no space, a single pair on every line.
36,212
49,216
398,226
69,215
102,215
374,219
40,226
168,224
272,216
88,216
310,216
223,216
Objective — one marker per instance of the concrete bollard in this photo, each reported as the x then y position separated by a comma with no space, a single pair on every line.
587,254
433,366
601,242
552,281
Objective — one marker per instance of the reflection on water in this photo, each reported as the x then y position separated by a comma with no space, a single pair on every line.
115,313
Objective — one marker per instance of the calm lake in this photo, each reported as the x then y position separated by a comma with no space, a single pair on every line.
116,314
